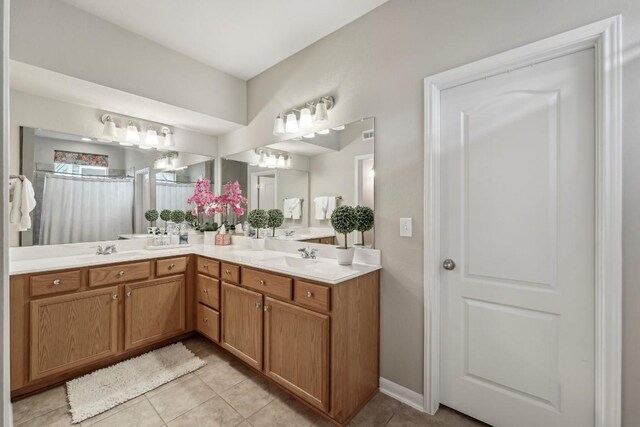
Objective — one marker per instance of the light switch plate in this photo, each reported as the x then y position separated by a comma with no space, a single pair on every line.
406,227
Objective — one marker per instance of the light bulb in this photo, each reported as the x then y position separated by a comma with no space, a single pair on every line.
305,118
292,123
278,126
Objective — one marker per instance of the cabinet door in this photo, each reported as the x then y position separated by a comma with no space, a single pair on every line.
73,330
242,323
154,311
296,350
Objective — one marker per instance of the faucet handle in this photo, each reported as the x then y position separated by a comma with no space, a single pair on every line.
312,253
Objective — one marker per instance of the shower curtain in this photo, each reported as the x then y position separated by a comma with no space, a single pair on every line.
85,209
172,195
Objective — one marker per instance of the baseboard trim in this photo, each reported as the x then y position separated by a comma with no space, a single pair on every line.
403,394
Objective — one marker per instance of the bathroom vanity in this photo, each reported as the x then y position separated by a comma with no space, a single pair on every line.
310,326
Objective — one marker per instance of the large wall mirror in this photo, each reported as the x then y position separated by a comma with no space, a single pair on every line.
88,191
307,177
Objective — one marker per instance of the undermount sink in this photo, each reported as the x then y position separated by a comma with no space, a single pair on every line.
118,255
288,261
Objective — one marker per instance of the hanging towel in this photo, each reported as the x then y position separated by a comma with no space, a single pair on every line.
23,202
322,203
331,205
292,208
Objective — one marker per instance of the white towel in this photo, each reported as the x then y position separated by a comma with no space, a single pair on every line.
23,202
322,202
292,208
331,205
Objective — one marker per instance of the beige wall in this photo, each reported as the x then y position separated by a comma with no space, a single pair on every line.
375,67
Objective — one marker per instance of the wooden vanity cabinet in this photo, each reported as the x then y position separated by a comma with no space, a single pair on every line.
242,323
154,311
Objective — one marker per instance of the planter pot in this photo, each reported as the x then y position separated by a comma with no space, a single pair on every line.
345,256
210,237
257,244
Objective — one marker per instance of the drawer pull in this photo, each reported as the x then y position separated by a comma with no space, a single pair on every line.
258,305
57,282
262,282
206,291
228,271
206,320
267,307
114,296
120,273
172,266
129,294
309,294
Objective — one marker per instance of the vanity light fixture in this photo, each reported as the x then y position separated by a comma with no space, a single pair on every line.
306,121
323,131
272,161
109,131
292,123
278,126
321,112
281,161
132,133
169,140
288,162
262,160
152,138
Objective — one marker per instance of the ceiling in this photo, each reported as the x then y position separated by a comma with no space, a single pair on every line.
240,37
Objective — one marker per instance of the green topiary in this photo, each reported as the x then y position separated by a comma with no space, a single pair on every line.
178,216
151,215
344,221
276,218
188,216
364,220
258,219
165,215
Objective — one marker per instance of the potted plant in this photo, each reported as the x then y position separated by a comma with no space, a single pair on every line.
230,204
276,218
258,219
364,220
178,217
204,209
165,215
344,221
152,216
190,219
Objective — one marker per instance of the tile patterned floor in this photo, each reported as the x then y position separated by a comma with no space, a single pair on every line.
223,393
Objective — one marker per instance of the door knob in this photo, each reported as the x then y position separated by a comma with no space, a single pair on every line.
448,264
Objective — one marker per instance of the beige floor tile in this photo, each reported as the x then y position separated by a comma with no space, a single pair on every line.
283,413
373,414
57,418
214,412
223,376
112,411
196,343
170,384
39,404
175,401
213,355
387,400
452,418
413,418
139,415
249,396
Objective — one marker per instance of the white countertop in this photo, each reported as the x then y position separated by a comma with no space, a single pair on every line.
276,258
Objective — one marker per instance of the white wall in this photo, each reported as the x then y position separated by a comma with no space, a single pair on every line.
375,66
56,36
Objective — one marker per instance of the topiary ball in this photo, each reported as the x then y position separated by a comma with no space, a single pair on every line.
188,216
165,215
258,218
276,218
177,216
151,215
343,219
364,218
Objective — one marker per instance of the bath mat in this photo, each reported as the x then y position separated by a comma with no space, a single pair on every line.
106,388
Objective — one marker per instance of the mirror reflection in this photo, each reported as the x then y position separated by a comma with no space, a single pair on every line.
86,190
308,177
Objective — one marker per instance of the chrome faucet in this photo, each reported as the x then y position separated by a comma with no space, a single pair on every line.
289,233
107,250
307,253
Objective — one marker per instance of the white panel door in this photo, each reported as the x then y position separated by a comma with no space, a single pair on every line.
518,220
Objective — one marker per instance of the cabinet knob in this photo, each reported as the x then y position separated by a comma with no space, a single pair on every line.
129,293
121,273
206,320
267,307
206,291
114,296
172,266
262,282
57,282
309,294
228,271
258,305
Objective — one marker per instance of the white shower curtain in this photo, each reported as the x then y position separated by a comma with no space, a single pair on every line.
83,209
173,196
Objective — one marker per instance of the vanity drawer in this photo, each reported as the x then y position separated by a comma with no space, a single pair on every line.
312,295
267,283
119,273
230,273
208,291
166,267
209,266
53,283
328,240
208,322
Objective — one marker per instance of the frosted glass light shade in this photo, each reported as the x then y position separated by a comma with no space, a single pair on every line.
272,161
288,162
132,133
169,141
305,119
109,131
321,112
281,162
292,123
151,141
278,126
262,161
